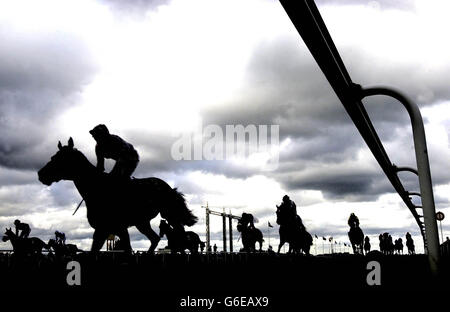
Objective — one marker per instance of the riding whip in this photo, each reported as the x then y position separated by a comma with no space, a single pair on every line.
78,207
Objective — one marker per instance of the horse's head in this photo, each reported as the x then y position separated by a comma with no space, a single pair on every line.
281,215
164,228
64,165
8,234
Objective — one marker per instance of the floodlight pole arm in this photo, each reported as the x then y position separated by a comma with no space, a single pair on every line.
423,168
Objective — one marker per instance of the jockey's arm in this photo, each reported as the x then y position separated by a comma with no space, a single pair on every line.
100,158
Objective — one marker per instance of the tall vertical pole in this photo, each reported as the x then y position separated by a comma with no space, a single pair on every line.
208,244
224,223
230,228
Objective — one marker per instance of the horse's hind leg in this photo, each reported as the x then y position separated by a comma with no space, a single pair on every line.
282,242
99,239
125,240
147,230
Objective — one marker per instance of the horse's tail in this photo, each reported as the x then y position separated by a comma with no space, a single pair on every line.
180,210
309,239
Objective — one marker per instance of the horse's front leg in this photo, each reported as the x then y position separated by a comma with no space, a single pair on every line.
99,239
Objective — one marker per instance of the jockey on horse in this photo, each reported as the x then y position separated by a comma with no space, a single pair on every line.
353,221
114,147
24,229
355,234
247,219
250,235
289,211
292,230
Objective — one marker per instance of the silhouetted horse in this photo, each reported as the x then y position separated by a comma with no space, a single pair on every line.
180,241
367,245
24,246
356,237
63,249
386,244
294,233
113,204
250,235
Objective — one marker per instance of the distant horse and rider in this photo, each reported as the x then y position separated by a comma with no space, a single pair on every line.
410,244
292,230
24,245
398,246
180,241
115,202
355,235
249,233
386,244
59,246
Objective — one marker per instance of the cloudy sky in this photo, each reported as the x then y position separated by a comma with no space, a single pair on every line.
154,70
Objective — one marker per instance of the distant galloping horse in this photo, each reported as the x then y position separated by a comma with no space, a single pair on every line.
250,235
294,233
398,245
63,249
24,246
180,241
114,205
356,237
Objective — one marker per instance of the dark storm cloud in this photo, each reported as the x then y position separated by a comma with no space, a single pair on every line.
17,200
285,87
156,159
41,75
16,177
350,183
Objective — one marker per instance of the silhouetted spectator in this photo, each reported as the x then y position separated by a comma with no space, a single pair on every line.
215,248
113,147
24,229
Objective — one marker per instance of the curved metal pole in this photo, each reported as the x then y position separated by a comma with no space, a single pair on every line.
423,169
398,169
